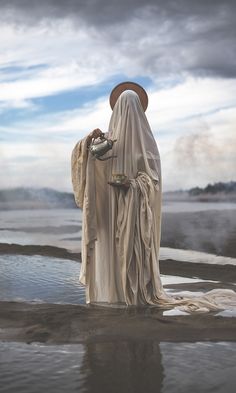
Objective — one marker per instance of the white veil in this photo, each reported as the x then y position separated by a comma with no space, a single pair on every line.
122,229
136,148
139,213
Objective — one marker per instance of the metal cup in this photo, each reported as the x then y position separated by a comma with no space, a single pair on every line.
119,178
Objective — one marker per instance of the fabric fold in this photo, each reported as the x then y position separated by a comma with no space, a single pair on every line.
137,238
83,182
121,231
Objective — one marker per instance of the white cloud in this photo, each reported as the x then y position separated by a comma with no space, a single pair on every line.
196,143
47,82
193,97
203,153
38,165
191,116
68,56
168,111
80,55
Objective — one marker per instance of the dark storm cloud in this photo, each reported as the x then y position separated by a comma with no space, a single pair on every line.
109,12
196,37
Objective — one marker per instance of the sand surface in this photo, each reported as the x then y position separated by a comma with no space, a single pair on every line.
60,323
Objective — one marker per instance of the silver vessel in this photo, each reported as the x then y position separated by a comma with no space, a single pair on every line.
101,147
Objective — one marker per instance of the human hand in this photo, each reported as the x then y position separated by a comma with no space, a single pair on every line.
97,133
125,185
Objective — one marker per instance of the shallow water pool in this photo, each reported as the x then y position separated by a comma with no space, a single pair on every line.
125,366
45,279
39,278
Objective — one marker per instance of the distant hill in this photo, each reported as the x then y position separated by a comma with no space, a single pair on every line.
48,198
215,188
35,198
218,192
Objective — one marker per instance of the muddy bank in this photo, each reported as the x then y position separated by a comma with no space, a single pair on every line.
50,251
66,323
58,324
201,286
225,273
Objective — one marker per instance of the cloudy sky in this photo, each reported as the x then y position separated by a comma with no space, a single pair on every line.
59,61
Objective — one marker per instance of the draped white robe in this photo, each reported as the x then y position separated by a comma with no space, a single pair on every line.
121,229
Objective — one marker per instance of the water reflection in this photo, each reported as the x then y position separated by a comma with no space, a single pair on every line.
118,366
123,366
53,280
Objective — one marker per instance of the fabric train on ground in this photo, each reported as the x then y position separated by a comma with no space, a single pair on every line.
122,228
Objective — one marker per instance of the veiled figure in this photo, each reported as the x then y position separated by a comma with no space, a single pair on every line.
121,226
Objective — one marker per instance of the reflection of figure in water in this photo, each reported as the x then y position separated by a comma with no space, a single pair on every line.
122,221
132,366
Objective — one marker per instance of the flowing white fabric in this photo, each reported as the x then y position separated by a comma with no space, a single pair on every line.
122,228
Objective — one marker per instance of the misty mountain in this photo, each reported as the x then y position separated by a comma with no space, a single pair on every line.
215,188
217,192
48,198
35,198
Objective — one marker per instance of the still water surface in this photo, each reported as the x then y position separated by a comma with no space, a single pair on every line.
124,367
201,226
43,279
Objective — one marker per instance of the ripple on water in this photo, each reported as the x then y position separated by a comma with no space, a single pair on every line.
138,366
40,278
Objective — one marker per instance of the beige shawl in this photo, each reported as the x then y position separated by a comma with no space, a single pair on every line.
122,229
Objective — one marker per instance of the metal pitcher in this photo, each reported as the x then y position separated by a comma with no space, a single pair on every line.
99,148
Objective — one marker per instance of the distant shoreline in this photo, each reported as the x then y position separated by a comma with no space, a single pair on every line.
49,198
170,197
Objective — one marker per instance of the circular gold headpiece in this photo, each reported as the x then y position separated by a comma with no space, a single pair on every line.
116,92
